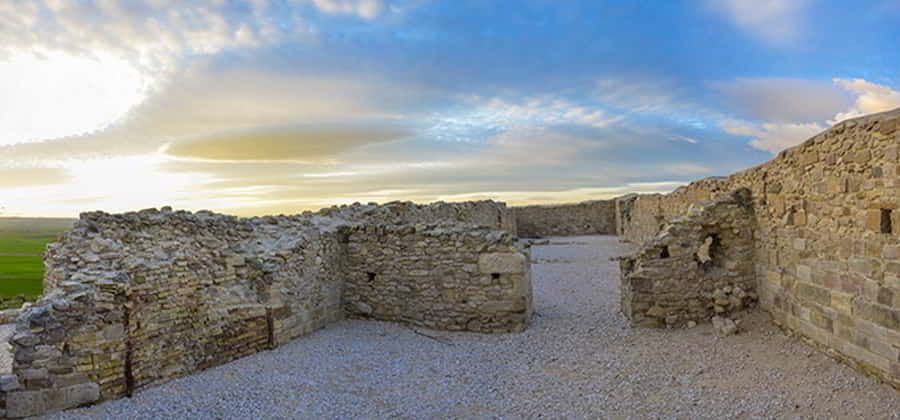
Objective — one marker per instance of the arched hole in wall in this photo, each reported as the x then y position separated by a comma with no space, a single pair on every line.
886,224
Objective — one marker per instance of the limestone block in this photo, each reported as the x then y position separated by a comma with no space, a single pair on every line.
503,263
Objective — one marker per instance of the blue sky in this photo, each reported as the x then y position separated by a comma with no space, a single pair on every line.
254,107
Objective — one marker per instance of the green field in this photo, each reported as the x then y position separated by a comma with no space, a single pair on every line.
22,245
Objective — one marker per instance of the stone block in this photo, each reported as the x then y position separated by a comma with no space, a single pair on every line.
502,263
27,403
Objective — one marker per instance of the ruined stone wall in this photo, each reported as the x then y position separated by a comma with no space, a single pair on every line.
641,217
438,276
486,213
587,218
137,299
700,265
827,247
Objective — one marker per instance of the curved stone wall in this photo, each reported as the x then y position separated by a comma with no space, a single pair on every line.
137,299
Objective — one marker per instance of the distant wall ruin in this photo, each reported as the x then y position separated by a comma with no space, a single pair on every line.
138,299
585,218
826,237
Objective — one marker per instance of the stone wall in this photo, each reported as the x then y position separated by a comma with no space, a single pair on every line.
438,276
137,299
586,218
827,238
486,213
699,266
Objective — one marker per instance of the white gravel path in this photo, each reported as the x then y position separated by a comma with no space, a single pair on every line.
579,359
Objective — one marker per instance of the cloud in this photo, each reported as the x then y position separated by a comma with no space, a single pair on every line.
781,113
776,22
634,94
295,143
19,177
537,147
201,102
871,98
782,99
366,9
772,137
686,168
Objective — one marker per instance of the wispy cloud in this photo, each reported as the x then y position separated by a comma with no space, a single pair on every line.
781,113
783,99
776,22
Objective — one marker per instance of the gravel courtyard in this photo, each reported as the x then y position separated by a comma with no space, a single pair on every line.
579,359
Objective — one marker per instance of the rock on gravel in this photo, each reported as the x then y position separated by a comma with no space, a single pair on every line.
579,359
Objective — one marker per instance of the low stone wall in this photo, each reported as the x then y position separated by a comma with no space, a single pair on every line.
487,213
438,277
699,266
587,218
138,299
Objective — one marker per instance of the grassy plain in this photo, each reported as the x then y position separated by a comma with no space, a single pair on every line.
22,245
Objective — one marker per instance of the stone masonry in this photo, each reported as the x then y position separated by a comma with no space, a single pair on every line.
586,218
826,238
137,299
699,266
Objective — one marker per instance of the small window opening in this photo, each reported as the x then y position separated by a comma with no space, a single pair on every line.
886,225
664,253
495,276
371,276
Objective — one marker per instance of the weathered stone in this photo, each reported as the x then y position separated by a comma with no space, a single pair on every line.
502,263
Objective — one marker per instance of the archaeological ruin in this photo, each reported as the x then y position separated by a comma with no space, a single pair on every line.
137,299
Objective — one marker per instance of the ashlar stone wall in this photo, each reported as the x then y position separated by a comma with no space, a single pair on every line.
586,218
137,299
438,276
827,238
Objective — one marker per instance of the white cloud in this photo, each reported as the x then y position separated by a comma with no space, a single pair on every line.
871,98
366,9
777,22
783,99
536,147
772,137
489,116
781,113
636,94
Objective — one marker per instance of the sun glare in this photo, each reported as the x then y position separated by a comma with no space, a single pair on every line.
55,94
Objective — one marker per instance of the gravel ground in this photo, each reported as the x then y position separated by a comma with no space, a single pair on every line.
579,359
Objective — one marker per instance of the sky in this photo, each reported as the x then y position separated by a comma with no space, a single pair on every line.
278,106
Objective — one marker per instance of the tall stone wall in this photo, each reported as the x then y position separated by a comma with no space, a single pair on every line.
700,265
587,218
827,238
438,276
137,299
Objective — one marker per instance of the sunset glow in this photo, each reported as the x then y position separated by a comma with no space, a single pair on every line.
279,106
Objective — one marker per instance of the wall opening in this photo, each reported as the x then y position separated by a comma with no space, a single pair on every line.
495,276
664,253
371,276
886,225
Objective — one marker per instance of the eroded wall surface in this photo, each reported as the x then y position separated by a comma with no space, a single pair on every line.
438,276
700,265
587,218
137,299
827,238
